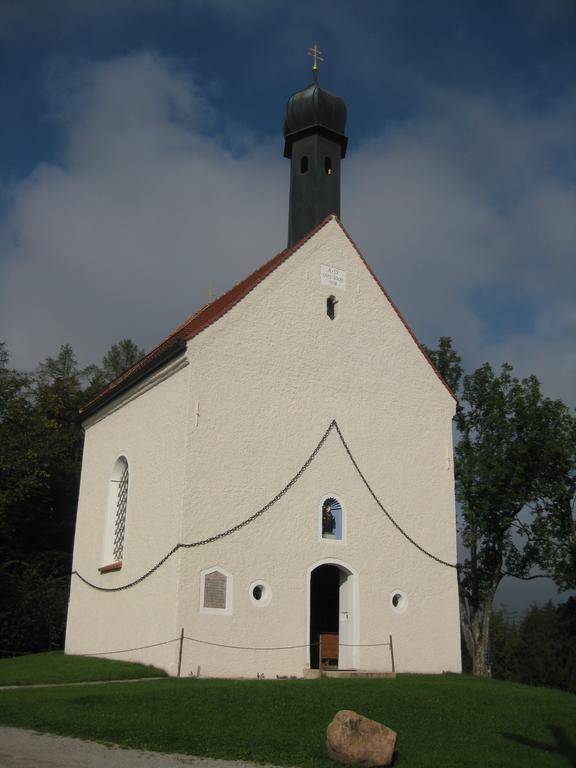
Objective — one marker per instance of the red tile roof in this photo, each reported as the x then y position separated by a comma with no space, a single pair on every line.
210,313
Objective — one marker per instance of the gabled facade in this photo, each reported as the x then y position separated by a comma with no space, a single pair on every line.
295,434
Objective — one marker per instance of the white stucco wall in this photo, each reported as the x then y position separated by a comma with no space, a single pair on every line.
147,426
266,380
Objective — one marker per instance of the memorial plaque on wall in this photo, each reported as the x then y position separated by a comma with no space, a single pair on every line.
215,590
335,278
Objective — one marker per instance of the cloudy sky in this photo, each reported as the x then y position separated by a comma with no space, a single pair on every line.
141,164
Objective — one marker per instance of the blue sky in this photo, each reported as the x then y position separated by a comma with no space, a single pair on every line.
141,163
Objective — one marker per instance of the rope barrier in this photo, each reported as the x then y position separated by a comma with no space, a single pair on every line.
388,515
265,508
218,645
250,648
233,647
127,650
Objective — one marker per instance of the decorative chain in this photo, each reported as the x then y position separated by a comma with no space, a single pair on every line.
265,508
382,507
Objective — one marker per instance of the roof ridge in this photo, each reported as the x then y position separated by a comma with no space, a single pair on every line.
209,313
395,308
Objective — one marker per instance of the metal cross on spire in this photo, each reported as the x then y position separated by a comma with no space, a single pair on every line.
316,55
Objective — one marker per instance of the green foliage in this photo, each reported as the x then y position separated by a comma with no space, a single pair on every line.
118,359
23,476
516,455
447,361
34,602
515,473
40,458
540,650
453,721
55,667
505,646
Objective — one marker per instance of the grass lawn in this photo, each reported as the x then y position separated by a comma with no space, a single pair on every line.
448,721
57,668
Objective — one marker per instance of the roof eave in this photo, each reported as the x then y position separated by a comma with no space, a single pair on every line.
106,397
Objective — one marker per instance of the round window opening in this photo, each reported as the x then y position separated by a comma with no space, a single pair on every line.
398,601
260,593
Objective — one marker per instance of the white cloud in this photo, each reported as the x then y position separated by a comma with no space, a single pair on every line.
124,238
149,205
476,199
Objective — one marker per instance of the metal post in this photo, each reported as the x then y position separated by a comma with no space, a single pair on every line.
180,651
392,656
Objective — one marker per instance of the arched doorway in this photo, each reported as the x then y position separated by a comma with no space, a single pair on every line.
332,614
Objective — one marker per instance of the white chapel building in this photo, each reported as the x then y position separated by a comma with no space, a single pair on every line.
274,481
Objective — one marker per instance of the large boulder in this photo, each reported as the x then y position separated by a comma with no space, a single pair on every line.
354,739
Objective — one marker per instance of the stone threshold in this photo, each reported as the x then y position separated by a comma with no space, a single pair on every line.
311,674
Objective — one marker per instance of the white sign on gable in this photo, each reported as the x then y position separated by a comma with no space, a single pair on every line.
335,278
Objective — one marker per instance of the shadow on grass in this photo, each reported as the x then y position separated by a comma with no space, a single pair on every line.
564,746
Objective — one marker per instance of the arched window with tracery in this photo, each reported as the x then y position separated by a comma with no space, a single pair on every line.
121,506
116,518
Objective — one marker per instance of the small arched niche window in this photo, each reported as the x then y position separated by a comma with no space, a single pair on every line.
328,166
331,303
332,519
304,164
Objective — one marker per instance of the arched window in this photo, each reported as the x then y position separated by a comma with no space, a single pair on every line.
332,519
116,519
304,164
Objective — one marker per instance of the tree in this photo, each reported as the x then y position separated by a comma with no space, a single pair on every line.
541,661
40,456
118,359
540,650
59,395
515,482
35,529
505,645
23,472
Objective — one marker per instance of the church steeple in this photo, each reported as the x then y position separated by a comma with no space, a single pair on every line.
315,143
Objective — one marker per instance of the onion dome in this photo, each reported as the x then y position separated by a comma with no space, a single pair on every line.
314,110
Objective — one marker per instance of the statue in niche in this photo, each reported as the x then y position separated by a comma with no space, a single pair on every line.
328,519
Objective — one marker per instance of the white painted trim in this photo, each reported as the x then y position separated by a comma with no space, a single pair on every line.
229,591
327,540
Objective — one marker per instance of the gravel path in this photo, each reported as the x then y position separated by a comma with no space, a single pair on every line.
20,748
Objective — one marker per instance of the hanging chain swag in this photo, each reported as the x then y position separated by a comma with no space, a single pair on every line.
265,508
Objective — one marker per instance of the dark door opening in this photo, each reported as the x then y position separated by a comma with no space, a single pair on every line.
324,607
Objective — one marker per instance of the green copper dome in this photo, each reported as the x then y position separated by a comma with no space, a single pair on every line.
314,109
